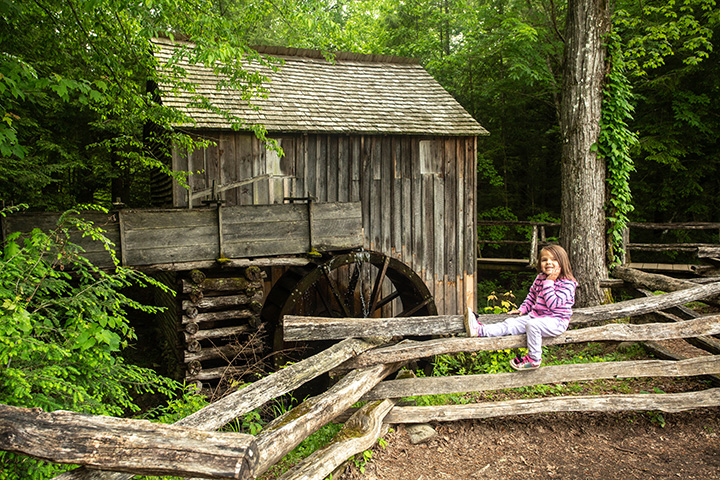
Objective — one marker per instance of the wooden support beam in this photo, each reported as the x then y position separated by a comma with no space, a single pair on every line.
222,284
297,328
226,352
230,263
215,333
136,446
219,316
411,387
409,350
665,402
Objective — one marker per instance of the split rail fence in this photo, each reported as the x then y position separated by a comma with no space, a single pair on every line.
707,253
192,448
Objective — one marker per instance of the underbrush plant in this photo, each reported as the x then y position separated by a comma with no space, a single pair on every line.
63,325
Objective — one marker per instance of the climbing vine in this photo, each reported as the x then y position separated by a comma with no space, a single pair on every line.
615,144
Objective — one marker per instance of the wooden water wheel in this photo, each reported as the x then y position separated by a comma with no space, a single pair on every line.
356,284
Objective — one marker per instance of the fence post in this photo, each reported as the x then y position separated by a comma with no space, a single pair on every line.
624,252
534,246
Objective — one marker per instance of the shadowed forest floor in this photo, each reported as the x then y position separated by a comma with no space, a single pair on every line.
602,446
564,446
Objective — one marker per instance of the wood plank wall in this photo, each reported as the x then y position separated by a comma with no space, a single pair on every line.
418,210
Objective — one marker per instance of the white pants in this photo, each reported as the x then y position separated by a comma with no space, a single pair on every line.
536,328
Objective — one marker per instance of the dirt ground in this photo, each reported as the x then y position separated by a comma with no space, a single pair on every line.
587,446
564,446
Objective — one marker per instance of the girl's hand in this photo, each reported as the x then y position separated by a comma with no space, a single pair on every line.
553,274
514,312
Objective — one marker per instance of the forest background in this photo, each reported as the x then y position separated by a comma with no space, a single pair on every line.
74,107
74,101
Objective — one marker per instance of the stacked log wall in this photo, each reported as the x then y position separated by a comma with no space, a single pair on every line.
218,325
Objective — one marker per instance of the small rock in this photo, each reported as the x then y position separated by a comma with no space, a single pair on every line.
420,433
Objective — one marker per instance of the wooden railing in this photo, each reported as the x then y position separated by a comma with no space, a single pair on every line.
707,252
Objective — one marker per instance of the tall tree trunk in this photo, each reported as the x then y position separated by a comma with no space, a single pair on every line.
583,172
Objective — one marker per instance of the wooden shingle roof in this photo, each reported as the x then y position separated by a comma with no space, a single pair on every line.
366,94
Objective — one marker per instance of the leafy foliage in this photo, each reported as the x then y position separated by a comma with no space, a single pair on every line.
615,144
74,96
63,324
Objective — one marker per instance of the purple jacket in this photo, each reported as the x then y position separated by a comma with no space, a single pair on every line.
550,299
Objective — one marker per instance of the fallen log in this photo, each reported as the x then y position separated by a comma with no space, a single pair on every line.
135,446
286,432
665,402
298,328
358,434
409,350
226,409
411,387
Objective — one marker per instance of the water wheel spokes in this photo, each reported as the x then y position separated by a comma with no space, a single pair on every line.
352,285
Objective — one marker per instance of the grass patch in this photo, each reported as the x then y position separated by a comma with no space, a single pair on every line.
593,352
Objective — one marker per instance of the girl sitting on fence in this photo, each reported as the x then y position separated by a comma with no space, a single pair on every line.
544,313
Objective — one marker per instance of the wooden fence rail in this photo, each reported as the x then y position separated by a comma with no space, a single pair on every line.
296,328
666,402
370,364
136,446
538,239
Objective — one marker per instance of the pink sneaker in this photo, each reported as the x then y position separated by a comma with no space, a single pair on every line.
524,363
473,328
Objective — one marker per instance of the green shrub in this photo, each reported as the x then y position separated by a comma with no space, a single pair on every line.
63,324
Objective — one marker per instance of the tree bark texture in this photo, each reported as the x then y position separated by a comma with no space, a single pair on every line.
582,171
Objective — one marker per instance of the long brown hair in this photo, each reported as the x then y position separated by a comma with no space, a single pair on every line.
563,260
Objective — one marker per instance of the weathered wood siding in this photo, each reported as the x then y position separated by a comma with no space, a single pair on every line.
94,251
417,193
